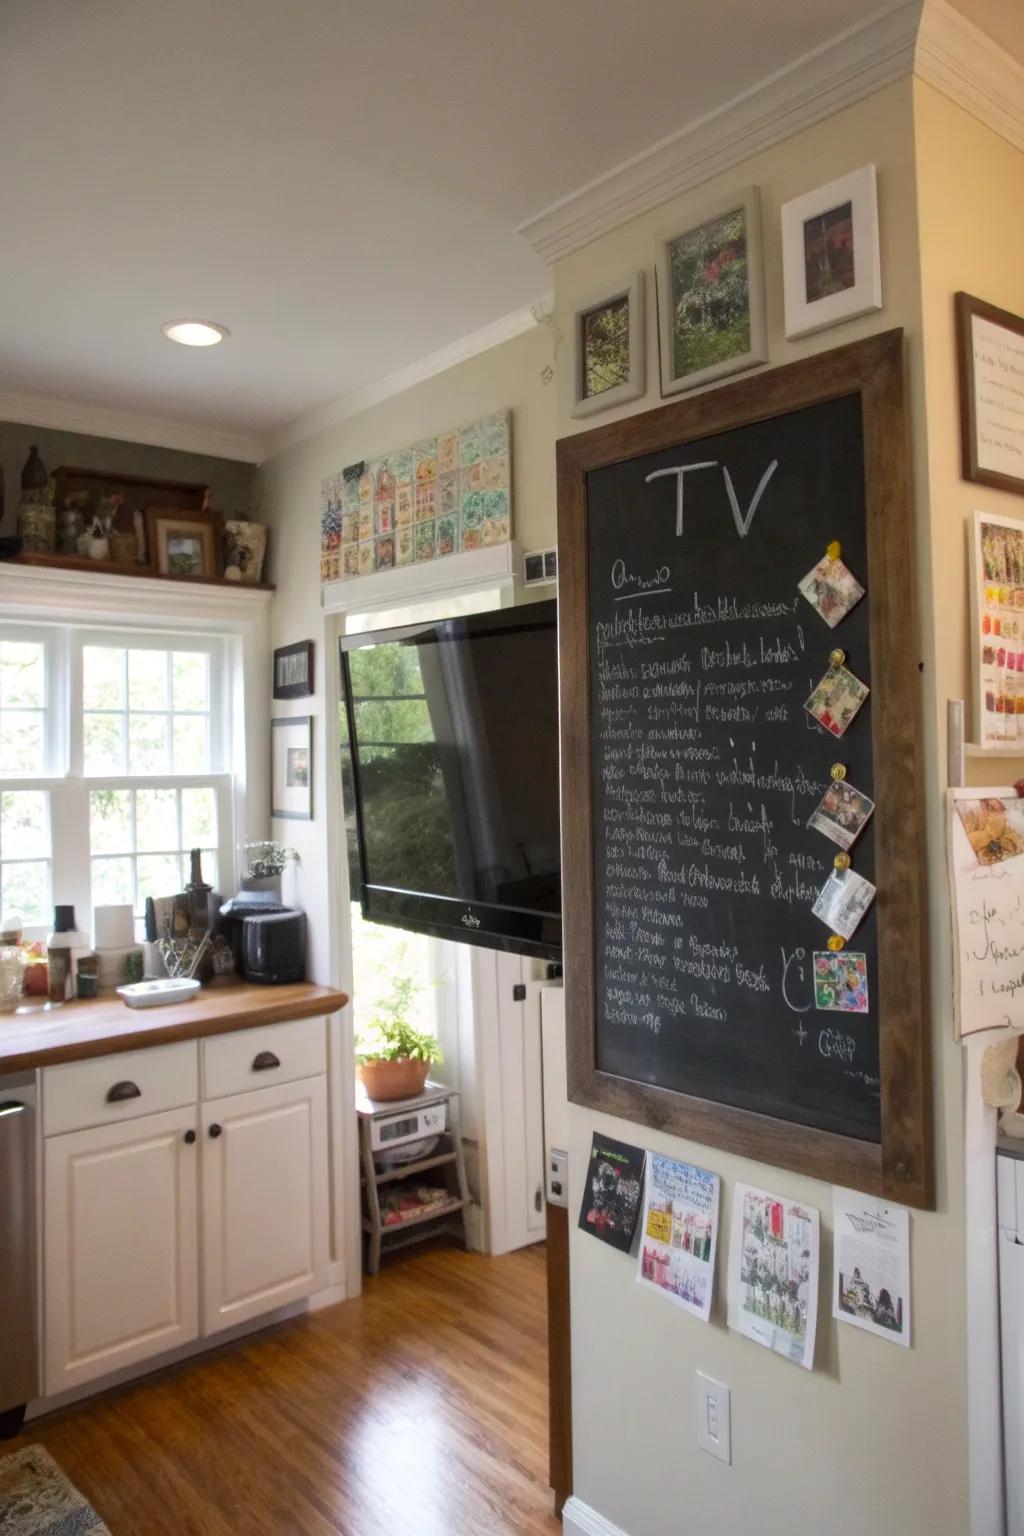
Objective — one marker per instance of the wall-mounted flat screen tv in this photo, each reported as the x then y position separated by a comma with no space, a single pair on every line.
450,777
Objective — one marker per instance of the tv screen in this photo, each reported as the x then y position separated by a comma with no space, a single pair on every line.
450,777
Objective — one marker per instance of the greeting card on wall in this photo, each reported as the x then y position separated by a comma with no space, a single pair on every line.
679,1233
773,1273
985,852
438,497
997,630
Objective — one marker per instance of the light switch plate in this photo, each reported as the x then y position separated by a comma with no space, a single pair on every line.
714,1418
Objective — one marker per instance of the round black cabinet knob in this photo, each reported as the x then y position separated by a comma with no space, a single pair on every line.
215,1130
189,1138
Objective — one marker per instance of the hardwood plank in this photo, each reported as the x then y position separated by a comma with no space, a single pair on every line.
79,1030
418,1409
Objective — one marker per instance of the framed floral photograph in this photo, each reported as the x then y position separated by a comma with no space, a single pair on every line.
832,269
291,767
711,320
184,544
608,347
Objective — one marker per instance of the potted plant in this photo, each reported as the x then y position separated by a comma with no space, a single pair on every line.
265,864
395,1057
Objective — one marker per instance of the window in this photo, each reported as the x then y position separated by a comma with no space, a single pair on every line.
113,766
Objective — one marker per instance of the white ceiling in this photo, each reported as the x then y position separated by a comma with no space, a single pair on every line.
337,181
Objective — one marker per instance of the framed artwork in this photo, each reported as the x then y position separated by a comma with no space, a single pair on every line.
293,671
990,351
185,544
831,265
711,295
997,631
608,347
291,767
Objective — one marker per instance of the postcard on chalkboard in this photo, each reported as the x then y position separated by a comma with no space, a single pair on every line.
832,590
836,700
842,813
613,1191
994,827
679,1233
773,1273
871,1265
843,901
840,981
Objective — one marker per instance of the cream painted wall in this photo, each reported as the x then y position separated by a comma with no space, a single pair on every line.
873,1439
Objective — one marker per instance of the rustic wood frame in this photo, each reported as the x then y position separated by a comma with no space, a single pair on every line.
902,1165
967,308
163,522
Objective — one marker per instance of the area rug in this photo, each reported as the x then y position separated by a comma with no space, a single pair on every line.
36,1499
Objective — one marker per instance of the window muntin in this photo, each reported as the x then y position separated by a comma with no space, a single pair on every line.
26,875
140,840
23,700
145,710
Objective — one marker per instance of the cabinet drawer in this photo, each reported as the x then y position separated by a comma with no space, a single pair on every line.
258,1058
101,1091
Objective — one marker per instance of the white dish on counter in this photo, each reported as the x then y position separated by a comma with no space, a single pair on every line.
153,994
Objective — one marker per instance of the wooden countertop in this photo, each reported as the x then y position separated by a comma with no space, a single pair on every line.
79,1030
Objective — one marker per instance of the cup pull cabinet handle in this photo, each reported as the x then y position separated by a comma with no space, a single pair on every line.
122,1091
266,1061
215,1130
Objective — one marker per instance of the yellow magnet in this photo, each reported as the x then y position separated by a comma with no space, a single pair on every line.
834,550
838,772
837,657
841,861
836,942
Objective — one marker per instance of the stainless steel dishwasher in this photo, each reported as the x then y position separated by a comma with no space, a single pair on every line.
19,1375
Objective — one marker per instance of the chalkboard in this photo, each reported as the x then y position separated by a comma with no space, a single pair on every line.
691,769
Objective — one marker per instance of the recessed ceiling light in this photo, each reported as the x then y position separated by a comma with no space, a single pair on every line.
195,333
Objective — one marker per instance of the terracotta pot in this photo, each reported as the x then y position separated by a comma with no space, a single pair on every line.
401,1079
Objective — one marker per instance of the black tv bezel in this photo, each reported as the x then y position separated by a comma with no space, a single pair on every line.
516,930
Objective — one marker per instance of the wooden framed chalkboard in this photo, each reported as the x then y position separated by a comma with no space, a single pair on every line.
690,769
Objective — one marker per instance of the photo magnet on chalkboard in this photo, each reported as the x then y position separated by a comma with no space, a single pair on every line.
832,590
836,699
843,901
840,981
842,813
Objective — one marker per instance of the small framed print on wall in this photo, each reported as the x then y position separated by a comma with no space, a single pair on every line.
291,768
293,671
608,347
990,351
997,631
832,267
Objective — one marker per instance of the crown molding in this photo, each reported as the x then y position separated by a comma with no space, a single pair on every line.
97,421
852,65
323,417
963,62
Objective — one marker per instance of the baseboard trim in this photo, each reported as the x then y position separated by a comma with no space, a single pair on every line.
578,1519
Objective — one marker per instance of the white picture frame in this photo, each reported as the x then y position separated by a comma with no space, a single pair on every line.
746,203
630,289
291,767
851,201
997,632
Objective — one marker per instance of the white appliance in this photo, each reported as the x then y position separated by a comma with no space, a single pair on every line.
1010,1216
408,1134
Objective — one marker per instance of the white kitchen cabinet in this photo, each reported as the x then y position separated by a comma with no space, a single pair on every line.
121,1245
264,1200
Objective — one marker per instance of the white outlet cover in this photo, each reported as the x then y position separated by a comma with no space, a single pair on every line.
714,1418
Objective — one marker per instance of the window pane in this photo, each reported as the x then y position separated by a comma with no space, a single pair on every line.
25,889
111,882
102,677
110,821
104,744
156,820
190,673
159,875
198,819
147,743
21,674
21,741
191,749
147,679
24,832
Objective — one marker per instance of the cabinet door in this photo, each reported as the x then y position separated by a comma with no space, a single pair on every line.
121,1262
265,1211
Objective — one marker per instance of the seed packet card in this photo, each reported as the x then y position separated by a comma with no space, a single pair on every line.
842,813
832,590
836,699
426,500
364,526
385,516
448,496
366,557
404,546
403,504
843,901
425,541
349,527
448,453
385,554
447,535
840,981
350,559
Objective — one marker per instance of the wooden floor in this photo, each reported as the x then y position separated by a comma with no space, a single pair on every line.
418,1410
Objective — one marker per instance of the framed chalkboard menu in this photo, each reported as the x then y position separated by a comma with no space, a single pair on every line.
705,805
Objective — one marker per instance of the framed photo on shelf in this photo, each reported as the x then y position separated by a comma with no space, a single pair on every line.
990,355
711,320
997,631
831,262
608,347
293,671
185,544
291,767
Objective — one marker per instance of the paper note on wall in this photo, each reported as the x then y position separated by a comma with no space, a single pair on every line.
985,849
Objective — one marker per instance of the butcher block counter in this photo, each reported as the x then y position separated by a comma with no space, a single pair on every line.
78,1030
